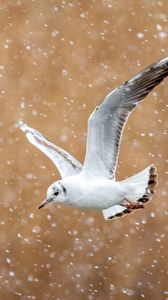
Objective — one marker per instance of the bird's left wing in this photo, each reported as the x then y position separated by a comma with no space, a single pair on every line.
66,164
106,123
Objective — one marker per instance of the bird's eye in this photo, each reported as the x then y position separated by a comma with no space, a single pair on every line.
56,193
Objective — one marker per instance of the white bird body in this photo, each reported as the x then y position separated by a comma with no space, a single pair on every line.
93,185
85,192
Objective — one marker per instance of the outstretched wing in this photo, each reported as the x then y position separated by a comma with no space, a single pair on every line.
66,163
106,123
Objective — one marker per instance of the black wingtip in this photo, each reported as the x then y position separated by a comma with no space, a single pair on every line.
41,205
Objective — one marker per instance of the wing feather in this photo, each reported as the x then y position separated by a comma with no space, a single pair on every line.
106,123
66,163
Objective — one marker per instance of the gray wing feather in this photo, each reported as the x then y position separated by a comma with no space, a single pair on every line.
106,123
67,165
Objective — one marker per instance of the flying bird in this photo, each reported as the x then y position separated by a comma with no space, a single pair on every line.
93,185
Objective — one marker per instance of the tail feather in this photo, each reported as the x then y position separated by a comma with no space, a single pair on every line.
140,188
152,182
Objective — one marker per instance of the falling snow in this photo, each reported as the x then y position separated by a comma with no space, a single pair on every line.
58,61
140,35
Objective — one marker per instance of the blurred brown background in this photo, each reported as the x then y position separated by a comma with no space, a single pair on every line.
58,59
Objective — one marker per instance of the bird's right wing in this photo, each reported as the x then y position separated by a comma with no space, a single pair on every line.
67,165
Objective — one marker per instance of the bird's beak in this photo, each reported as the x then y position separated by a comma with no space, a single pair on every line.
46,201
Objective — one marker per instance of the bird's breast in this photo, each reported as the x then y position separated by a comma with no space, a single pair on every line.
96,194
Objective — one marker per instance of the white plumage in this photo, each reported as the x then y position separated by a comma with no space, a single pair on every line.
93,185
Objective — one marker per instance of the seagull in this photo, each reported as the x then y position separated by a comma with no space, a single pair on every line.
93,185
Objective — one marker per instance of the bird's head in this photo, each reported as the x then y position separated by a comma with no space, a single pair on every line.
55,193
